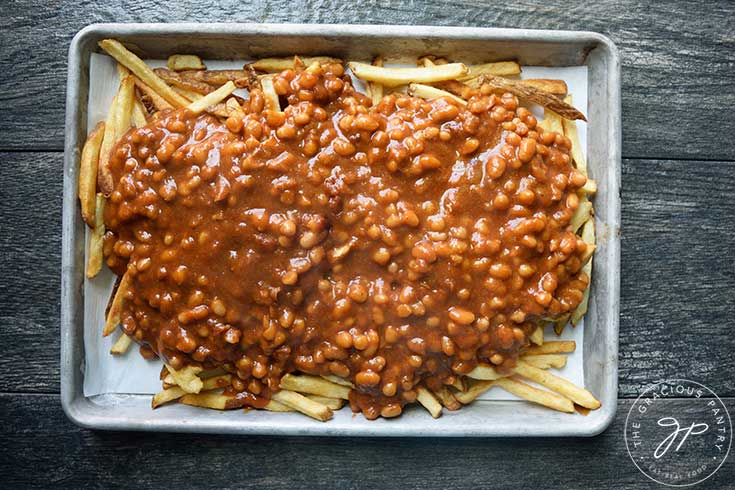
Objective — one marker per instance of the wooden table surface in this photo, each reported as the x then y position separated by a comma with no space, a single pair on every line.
678,254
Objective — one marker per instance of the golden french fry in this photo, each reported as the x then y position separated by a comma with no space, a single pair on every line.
113,314
140,115
551,122
274,406
429,402
186,378
552,347
175,392
275,65
392,77
118,122
337,380
537,337
121,346
314,385
561,323
429,92
234,107
213,98
142,71
269,92
485,372
581,214
94,255
447,399
189,94
158,101
498,68
545,361
88,173
178,62
588,235
589,187
535,395
304,405
333,403
578,395
459,383
375,89
211,400
534,95
570,131
475,389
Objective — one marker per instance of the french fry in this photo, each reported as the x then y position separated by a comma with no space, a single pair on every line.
234,107
392,77
88,173
314,385
274,406
140,115
121,345
333,403
177,80
588,235
118,122
535,395
459,383
476,388
175,392
215,97
498,68
581,215
269,92
429,92
178,62
534,95
160,103
551,122
276,65
113,314
561,323
189,94
304,405
211,400
460,89
337,380
186,378
94,254
570,131
537,337
546,361
375,89
429,402
589,187
447,399
552,347
485,372
142,71
578,395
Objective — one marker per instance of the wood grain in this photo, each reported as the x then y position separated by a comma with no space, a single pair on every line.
678,57
677,282
43,449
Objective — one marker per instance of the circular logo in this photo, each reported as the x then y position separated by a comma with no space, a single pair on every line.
678,432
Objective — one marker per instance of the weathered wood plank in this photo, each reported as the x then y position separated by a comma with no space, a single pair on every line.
677,281
678,57
41,448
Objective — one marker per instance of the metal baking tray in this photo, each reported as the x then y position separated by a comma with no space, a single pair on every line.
247,41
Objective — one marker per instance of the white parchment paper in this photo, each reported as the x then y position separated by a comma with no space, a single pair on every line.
130,373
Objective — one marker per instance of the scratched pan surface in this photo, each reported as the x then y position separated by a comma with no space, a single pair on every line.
247,41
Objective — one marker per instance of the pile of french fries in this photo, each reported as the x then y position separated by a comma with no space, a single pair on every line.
187,83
